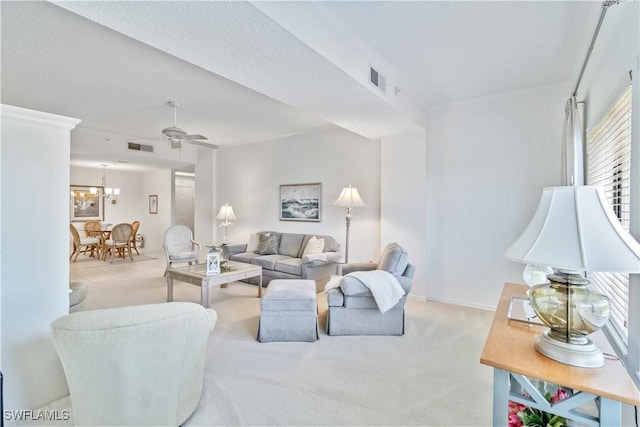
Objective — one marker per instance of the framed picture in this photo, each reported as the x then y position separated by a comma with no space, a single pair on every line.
153,204
84,205
301,202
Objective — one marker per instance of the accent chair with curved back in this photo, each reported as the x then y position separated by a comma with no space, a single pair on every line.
135,225
179,246
352,307
120,240
140,365
81,244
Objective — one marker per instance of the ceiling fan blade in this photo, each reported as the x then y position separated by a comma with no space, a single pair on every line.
202,144
192,137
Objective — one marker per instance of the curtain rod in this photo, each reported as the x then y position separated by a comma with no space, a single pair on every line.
605,5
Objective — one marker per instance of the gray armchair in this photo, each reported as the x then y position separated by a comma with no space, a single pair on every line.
352,308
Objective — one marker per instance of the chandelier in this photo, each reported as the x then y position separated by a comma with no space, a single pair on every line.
108,191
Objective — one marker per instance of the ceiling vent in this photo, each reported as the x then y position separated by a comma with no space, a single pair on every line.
140,147
377,79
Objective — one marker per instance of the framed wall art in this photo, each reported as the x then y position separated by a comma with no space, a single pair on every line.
86,206
301,202
153,204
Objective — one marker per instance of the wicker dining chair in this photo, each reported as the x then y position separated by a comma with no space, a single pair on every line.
120,240
81,244
94,229
135,225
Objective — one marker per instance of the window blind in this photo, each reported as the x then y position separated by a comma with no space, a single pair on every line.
608,166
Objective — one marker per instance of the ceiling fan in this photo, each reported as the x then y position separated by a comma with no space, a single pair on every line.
177,136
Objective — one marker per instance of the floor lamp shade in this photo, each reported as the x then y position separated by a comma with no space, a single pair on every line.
349,198
573,230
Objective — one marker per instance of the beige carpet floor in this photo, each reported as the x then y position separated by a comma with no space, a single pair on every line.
431,376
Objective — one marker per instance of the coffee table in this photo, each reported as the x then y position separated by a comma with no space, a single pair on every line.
195,274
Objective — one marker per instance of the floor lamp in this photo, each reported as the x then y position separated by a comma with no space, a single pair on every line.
349,199
226,215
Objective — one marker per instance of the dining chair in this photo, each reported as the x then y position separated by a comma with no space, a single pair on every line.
135,225
120,240
81,244
93,229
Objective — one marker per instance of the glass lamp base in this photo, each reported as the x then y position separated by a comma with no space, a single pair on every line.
582,355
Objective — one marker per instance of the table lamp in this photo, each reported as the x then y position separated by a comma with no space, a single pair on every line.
349,199
573,230
226,215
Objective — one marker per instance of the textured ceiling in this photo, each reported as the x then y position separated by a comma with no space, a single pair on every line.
251,72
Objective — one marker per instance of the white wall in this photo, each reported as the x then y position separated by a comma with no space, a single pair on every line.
130,205
35,269
160,184
487,162
249,179
403,201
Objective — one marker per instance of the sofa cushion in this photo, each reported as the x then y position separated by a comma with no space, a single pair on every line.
268,245
244,257
268,261
393,259
313,246
291,266
290,244
330,245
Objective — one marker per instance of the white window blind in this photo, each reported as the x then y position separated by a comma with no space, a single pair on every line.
608,166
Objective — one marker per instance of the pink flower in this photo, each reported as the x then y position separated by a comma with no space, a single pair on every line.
513,419
559,395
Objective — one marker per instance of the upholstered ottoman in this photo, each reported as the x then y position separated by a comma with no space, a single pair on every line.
288,311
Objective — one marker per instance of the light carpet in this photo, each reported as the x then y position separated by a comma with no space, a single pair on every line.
431,376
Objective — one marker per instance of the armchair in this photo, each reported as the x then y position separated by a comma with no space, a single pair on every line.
352,308
179,246
136,366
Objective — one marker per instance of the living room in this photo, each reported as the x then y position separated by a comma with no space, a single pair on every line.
455,189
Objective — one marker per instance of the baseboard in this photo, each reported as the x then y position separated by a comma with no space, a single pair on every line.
462,304
420,298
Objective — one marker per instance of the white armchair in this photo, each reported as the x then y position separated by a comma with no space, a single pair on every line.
179,246
138,365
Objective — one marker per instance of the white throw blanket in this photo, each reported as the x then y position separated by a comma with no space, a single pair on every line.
384,287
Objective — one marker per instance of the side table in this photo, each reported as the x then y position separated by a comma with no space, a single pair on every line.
509,349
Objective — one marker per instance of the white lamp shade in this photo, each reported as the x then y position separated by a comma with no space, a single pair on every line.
574,228
350,198
226,213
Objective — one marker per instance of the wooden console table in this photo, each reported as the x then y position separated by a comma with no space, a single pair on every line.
509,350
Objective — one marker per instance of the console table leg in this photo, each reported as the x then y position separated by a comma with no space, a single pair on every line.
500,397
610,412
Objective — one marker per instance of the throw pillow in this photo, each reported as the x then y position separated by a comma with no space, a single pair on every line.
252,246
267,245
314,246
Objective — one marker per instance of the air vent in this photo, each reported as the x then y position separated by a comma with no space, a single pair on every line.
140,147
377,79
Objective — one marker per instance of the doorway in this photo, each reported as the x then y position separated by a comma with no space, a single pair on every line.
184,194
